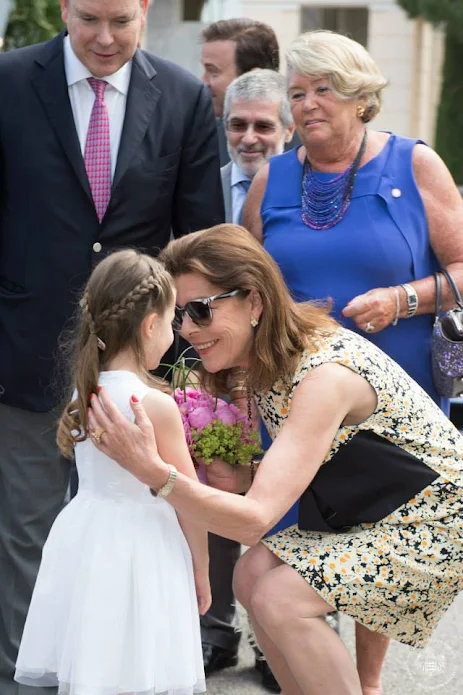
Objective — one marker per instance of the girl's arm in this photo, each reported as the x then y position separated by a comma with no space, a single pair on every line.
165,417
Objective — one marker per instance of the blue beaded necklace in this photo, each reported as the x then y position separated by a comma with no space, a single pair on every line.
324,203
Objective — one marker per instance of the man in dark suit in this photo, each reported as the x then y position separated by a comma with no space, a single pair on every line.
85,168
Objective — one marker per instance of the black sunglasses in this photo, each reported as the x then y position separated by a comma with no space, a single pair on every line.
200,310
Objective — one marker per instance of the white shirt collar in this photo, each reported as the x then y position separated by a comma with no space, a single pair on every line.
76,71
237,175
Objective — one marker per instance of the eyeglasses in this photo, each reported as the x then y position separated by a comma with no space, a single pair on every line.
238,125
200,310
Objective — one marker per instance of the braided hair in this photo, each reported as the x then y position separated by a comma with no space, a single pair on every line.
123,289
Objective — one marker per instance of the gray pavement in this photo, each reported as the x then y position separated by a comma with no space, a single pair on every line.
437,669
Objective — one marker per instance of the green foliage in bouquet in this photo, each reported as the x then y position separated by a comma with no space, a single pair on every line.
233,445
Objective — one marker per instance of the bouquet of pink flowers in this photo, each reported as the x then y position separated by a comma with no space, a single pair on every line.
215,429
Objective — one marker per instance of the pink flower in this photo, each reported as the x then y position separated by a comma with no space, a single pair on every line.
200,417
187,430
225,414
192,398
199,409
194,394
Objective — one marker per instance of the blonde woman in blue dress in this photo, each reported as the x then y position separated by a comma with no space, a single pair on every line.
377,465
115,607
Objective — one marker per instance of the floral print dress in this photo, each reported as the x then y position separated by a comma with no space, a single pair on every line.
398,575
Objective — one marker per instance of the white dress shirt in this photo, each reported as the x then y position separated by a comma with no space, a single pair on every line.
239,189
82,96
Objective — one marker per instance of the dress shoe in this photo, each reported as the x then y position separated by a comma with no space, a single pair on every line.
215,658
269,681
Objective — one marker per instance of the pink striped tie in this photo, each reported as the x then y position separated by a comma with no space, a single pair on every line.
97,155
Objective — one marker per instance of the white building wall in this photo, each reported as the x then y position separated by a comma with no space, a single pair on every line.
283,16
391,42
168,36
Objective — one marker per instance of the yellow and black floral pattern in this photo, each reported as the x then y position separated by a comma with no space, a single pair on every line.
399,575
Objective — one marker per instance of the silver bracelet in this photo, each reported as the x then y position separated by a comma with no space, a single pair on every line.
412,299
397,306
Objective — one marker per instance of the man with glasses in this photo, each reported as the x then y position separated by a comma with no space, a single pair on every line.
258,124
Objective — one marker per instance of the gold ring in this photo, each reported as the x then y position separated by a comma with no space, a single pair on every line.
97,434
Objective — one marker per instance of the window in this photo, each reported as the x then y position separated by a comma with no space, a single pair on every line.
192,10
350,21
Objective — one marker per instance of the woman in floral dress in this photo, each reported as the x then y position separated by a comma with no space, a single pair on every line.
377,465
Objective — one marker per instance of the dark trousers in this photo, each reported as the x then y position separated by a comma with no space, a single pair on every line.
33,481
218,626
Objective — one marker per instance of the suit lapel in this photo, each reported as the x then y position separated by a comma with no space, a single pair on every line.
142,99
227,191
51,87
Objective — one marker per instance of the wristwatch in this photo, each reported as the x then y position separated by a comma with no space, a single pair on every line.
412,299
166,489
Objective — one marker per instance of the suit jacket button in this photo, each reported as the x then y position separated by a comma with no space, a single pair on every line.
97,247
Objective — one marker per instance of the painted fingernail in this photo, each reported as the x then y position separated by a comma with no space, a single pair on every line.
134,399
90,395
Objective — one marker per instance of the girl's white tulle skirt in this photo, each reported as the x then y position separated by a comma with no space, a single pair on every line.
114,609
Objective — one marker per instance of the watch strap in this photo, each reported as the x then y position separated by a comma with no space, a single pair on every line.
412,299
166,489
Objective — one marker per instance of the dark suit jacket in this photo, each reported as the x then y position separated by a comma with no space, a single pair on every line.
225,173
167,179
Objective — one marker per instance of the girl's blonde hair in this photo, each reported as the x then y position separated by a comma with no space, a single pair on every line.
351,70
230,258
123,289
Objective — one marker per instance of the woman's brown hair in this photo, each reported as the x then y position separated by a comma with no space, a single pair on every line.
123,289
228,257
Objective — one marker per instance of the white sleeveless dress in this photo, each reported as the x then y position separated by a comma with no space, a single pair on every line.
114,609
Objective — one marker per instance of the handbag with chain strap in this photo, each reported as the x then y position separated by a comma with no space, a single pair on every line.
447,341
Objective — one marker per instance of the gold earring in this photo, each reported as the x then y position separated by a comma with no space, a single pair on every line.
360,111
254,323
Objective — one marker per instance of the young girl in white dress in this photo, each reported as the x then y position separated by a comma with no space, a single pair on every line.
115,606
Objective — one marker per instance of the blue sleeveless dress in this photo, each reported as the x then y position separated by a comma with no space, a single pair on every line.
381,241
